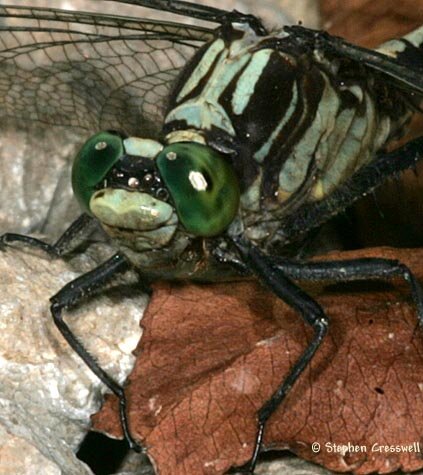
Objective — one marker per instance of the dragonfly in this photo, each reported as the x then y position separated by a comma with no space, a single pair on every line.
212,152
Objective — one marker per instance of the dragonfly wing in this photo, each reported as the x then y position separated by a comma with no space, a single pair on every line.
90,71
65,76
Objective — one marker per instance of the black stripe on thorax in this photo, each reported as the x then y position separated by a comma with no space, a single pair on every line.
265,109
310,86
186,74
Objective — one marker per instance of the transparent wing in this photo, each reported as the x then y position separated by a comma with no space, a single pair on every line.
65,75
88,70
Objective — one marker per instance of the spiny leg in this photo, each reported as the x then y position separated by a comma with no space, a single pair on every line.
354,269
343,270
70,295
83,225
337,270
310,310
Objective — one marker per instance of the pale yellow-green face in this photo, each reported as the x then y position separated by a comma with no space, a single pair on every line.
139,186
151,222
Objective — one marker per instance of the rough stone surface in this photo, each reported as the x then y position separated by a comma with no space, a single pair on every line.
46,393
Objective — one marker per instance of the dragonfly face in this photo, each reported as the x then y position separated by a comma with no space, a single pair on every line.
148,196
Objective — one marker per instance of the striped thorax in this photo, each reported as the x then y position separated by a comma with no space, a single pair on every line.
297,123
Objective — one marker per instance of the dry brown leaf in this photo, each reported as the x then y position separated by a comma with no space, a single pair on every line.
211,355
370,22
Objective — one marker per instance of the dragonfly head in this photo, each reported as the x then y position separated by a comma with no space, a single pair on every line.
153,191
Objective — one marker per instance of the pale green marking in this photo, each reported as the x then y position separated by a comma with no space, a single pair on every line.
129,209
356,91
142,147
343,124
394,47
415,37
294,171
250,199
391,48
202,115
260,155
202,68
383,132
357,148
347,156
248,80
330,102
204,111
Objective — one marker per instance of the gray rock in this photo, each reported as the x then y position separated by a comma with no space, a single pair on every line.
47,394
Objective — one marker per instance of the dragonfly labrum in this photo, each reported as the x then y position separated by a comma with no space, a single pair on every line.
212,153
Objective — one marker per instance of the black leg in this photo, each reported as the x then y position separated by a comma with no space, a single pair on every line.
353,269
71,294
81,226
261,265
275,272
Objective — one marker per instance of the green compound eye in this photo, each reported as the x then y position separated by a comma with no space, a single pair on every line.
96,157
203,186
